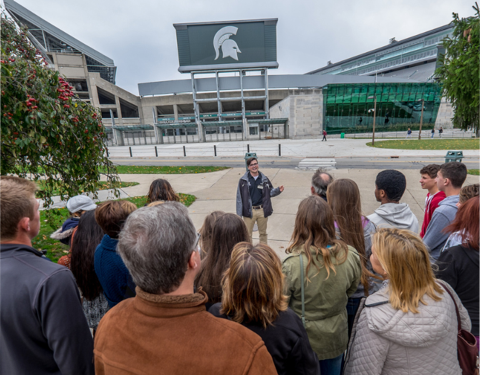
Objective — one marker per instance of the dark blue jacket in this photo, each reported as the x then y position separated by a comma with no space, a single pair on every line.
43,329
116,281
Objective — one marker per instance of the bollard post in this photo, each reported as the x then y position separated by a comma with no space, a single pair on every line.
130,151
279,149
156,152
215,150
248,148
184,151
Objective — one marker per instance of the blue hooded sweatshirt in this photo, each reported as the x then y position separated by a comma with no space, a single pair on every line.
434,237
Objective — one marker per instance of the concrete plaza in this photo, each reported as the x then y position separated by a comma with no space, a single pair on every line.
217,191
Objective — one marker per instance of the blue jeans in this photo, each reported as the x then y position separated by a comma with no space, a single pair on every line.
332,366
352,308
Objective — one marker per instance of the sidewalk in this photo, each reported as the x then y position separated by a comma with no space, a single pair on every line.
333,148
217,191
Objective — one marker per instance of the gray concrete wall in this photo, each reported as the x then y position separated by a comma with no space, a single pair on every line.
444,116
304,110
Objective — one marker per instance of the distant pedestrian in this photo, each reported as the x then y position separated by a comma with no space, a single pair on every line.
433,133
440,131
324,135
409,133
360,120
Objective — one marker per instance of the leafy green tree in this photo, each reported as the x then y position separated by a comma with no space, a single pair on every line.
47,133
459,70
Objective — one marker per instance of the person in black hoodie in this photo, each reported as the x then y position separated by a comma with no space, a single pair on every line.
458,265
253,296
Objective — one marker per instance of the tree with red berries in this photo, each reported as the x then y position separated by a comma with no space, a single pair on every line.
47,133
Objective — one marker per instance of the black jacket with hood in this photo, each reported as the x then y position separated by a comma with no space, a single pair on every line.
244,202
43,329
458,266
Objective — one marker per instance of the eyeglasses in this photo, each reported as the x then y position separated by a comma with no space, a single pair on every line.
252,165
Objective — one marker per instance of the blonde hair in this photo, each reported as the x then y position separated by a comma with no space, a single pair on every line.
406,261
253,285
17,200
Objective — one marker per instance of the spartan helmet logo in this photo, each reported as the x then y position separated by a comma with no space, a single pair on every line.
222,39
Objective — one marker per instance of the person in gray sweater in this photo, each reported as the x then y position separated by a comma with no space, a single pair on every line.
389,188
450,179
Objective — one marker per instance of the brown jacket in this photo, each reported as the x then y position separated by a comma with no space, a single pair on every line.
154,334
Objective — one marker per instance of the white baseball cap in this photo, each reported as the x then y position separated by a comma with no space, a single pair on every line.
80,203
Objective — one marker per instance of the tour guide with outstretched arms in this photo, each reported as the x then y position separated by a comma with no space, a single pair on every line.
253,199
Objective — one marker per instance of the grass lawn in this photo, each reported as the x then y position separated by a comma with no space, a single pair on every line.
133,169
104,185
429,144
475,172
55,249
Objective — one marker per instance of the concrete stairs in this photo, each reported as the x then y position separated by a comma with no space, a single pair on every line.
315,163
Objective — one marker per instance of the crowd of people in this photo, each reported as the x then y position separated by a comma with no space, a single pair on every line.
142,292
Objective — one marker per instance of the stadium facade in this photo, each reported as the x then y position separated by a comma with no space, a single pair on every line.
222,105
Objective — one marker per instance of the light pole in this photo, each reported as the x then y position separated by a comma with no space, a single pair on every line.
421,121
374,114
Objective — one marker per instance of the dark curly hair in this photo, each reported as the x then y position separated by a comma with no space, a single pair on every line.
393,183
161,190
85,241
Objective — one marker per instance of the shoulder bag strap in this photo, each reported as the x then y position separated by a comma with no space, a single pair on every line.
302,281
456,307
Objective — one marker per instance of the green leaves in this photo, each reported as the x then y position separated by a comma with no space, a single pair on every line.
459,70
47,133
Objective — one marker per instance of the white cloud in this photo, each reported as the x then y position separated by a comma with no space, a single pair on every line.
141,40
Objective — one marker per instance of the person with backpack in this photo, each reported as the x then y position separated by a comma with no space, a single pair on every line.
409,133
324,135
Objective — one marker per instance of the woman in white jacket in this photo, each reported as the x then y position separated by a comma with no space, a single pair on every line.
410,325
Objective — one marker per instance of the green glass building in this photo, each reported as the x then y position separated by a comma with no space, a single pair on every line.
349,108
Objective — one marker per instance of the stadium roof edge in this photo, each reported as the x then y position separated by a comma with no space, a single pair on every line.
13,7
397,43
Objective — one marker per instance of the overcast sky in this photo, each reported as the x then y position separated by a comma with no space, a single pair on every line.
139,36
